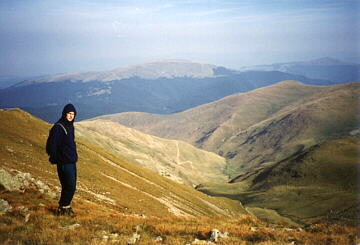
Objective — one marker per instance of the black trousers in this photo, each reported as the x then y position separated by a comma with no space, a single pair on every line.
67,177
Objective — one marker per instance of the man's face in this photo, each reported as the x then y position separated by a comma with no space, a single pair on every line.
70,116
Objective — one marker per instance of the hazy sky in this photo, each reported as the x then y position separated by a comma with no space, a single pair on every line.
54,36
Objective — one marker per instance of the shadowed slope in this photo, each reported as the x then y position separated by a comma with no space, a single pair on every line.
326,116
318,183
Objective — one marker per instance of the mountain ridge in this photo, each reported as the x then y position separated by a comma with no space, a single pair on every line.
162,95
160,86
326,68
319,61
165,68
265,114
170,68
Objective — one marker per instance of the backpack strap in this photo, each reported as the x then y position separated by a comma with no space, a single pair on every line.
62,127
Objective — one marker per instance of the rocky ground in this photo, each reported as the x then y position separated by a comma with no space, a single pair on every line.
27,216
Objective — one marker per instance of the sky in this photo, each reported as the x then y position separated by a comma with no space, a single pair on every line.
43,37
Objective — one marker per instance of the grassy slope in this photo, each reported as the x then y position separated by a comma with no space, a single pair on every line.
102,177
177,160
326,116
22,139
196,124
319,183
97,225
267,124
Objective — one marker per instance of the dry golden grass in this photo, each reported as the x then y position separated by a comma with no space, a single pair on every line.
98,222
102,177
177,160
22,141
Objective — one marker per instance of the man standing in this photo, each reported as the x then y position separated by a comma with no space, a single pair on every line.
61,147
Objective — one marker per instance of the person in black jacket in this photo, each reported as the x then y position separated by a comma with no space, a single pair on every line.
61,147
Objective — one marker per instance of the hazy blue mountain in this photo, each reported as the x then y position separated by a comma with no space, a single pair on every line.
149,70
157,87
326,68
7,81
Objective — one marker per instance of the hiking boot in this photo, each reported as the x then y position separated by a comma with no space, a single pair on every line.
69,212
62,211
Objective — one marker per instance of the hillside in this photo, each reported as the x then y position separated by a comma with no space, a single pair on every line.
120,203
173,159
318,183
297,126
103,178
264,125
31,221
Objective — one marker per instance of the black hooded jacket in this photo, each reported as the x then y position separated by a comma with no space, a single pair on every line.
61,146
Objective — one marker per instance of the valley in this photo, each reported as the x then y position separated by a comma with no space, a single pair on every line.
273,128
265,125
118,202
176,160
177,147
318,183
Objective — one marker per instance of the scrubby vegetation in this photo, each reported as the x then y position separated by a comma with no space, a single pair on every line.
96,224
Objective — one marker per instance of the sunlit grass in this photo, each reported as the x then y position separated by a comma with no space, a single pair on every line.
96,223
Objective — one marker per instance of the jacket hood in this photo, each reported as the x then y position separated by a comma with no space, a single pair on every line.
67,108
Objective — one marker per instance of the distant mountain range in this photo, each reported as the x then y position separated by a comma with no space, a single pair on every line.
162,86
150,70
324,68
8,81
